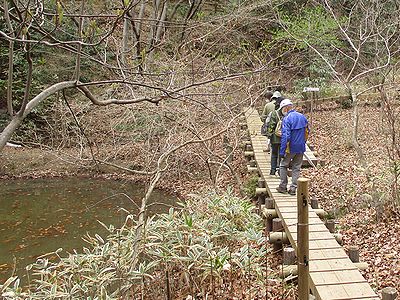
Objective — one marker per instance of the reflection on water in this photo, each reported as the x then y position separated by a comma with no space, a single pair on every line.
38,216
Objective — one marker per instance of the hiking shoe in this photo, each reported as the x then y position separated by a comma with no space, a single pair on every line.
272,172
281,190
292,192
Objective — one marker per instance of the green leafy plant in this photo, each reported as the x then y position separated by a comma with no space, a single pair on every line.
210,235
250,186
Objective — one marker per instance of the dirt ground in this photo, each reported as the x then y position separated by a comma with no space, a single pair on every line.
31,162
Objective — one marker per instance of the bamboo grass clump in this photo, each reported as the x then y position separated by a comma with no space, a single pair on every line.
210,239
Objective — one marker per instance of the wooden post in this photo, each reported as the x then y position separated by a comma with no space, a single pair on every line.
269,204
261,197
249,147
289,256
277,227
303,238
248,152
330,224
249,155
314,203
261,182
389,293
354,254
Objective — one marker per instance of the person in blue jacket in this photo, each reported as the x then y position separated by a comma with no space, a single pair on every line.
293,145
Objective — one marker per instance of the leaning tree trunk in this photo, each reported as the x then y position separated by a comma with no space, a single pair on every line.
8,131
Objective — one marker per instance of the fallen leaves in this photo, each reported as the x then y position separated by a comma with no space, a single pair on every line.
342,187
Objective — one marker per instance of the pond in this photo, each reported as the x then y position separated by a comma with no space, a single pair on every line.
38,216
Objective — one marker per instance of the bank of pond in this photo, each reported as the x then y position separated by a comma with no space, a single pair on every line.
38,216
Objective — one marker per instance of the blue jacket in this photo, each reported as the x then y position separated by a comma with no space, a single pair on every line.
294,133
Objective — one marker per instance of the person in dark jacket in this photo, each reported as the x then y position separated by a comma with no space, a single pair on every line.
271,105
293,145
275,139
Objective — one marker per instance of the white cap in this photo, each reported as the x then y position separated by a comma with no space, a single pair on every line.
285,102
276,94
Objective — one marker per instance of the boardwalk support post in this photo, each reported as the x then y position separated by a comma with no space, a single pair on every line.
289,256
261,197
303,238
269,204
330,224
314,203
277,227
354,254
389,293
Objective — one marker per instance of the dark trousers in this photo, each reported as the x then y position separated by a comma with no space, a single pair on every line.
274,157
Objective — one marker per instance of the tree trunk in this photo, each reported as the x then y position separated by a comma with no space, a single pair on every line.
10,109
125,41
354,138
6,134
161,26
137,32
79,46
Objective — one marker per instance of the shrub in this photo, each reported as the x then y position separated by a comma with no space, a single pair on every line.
210,236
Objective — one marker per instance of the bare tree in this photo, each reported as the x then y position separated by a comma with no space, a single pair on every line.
359,44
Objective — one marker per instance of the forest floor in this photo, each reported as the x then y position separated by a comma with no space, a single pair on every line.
364,214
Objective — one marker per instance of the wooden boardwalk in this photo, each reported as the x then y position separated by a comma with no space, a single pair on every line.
332,274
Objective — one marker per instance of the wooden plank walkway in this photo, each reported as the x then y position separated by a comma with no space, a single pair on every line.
332,274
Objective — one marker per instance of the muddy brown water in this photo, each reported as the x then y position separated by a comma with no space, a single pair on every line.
38,216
